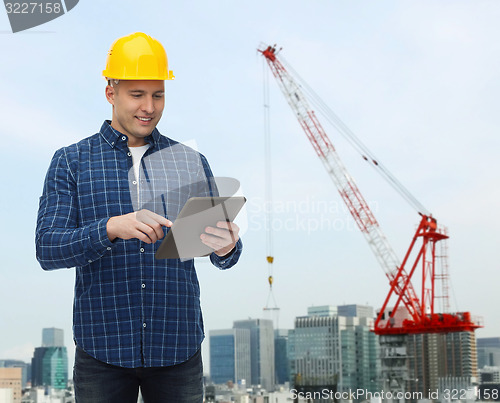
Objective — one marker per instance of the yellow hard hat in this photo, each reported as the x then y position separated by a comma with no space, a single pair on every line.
137,57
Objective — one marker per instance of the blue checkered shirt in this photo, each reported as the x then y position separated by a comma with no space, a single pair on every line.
130,309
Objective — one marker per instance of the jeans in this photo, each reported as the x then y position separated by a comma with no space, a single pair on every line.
98,382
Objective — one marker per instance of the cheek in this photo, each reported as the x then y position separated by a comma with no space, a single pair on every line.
159,105
127,108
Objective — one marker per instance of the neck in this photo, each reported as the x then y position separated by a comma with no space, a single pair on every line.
133,142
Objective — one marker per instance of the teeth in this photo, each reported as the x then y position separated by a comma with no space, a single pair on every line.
144,119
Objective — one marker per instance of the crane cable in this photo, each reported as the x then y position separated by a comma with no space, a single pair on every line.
355,142
268,207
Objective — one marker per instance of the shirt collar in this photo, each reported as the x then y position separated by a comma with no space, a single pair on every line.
114,137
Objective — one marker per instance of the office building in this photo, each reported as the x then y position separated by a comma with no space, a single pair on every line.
261,351
488,352
10,384
49,365
230,356
281,360
332,351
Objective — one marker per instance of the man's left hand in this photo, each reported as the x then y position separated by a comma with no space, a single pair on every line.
222,238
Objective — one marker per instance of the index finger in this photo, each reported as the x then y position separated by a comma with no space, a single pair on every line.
156,217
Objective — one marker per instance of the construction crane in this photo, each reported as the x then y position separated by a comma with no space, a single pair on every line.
411,313
421,315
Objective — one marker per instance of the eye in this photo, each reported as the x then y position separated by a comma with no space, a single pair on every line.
158,96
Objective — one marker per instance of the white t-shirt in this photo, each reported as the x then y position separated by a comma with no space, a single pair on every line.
137,153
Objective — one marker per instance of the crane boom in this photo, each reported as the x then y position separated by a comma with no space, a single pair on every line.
421,317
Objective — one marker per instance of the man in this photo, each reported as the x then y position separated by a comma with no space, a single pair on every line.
107,201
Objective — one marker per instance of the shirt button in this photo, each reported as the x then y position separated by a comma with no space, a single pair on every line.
142,250
124,138
143,325
112,143
90,261
129,154
134,182
108,248
143,285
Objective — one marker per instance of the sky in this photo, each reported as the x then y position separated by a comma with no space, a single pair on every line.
418,82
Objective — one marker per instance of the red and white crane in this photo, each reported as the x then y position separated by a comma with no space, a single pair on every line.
421,255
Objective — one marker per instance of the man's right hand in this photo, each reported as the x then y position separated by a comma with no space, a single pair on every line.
143,225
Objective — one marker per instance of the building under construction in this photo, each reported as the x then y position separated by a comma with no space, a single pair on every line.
428,363
421,349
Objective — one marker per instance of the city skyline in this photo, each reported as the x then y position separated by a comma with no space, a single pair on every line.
417,83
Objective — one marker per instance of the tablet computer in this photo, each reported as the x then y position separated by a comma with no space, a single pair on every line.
183,239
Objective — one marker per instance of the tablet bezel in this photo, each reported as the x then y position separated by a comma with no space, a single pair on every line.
197,214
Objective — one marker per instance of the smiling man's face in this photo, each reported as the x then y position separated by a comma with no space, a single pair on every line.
137,107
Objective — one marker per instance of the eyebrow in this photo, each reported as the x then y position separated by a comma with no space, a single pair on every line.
144,92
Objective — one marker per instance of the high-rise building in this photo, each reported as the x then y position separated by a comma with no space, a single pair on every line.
261,351
328,350
281,360
230,356
441,359
10,383
488,352
49,365
52,337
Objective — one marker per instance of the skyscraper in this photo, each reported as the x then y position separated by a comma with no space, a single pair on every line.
261,350
328,350
49,365
230,356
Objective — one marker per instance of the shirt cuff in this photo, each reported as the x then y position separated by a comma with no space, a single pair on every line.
229,260
99,241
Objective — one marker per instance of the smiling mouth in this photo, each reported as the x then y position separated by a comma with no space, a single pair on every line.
144,119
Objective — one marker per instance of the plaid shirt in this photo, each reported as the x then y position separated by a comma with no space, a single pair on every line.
130,309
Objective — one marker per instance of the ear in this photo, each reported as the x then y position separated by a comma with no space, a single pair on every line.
110,94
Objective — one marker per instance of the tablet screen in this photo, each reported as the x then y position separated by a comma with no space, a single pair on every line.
183,239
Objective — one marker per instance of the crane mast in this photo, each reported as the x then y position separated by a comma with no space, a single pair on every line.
420,315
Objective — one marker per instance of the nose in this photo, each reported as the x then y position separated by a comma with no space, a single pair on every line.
148,105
